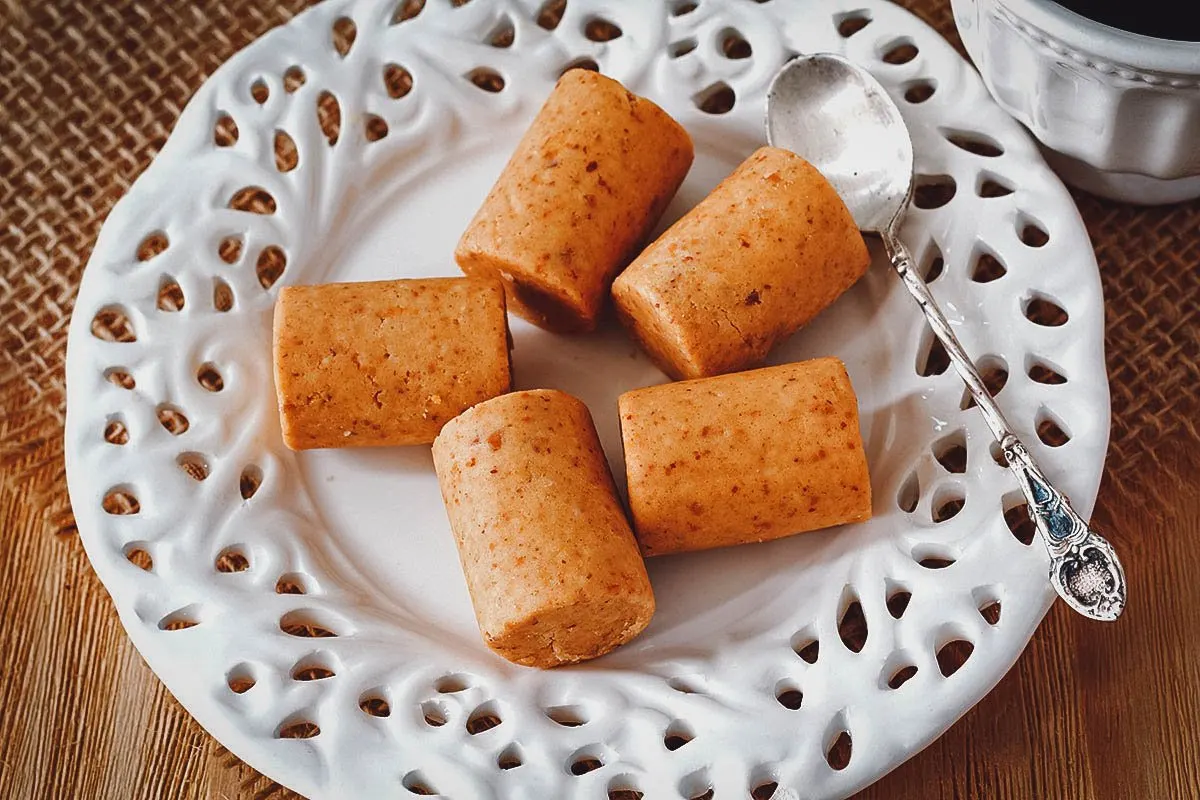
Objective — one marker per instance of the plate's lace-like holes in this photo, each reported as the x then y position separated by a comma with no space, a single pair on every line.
788,695
1031,232
764,788
293,79
1043,311
287,156
1016,517
397,80
112,324
851,22
974,142
120,377
1050,430
806,645
951,451
947,502
503,34
909,494
933,558
153,245
174,420
840,748
297,727
510,757
316,666
687,684
251,478
291,583
484,718
933,191
932,358
329,116
253,200
115,431
900,675
899,51
991,186
586,62
987,600
375,127
598,29
406,10
170,295
374,703
852,627
222,296
453,683
550,14
232,559
194,465
434,714
678,734
917,92
681,7
994,371
240,679
120,501
986,267
260,92
952,655
696,785
307,624
229,249
898,597
624,787
343,35
225,131
990,611
733,45
682,47
1044,373
585,760
932,265
487,79
717,98
269,267
997,454
209,378
181,619
416,783
138,554
567,716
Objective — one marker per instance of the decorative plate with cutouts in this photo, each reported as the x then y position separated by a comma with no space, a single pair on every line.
309,609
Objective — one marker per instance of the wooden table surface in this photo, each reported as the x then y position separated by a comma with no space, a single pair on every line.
88,92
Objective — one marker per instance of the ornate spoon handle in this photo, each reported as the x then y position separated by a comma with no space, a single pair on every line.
1084,569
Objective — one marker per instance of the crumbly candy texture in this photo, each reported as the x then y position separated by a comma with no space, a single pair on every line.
386,362
743,458
769,248
581,194
552,567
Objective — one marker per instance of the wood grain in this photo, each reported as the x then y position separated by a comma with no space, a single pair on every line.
88,92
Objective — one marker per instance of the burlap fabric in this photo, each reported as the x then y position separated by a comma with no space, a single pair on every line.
89,91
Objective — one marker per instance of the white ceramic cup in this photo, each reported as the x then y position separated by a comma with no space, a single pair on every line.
1118,112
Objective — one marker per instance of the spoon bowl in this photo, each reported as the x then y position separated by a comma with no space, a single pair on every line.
840,119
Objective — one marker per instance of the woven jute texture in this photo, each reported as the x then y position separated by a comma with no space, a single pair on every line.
88,94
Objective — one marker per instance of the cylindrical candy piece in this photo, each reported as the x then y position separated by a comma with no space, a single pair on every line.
745,457
765,252
386,362
580,195
551,564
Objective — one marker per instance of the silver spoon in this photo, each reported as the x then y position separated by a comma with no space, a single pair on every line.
838,117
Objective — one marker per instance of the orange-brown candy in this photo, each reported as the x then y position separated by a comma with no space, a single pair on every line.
583,190
553,569
386,362
770,248
745,457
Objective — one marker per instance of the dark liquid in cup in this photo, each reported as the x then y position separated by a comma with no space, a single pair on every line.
1163,19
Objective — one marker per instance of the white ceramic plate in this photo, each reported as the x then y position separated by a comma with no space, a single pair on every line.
229,525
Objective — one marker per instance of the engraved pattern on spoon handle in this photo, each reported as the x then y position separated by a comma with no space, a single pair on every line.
1084,569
